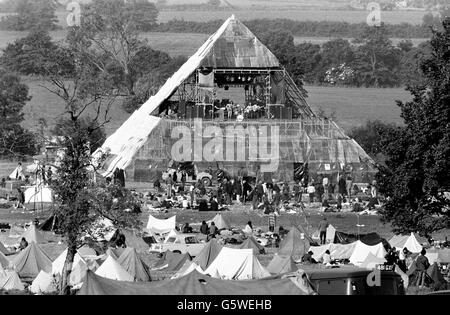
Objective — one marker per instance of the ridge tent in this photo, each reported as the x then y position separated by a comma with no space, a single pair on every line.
187,268
236,264
281,264
3,249
194,283
9,280
295,243
160,226
172,233
58,264
171,261
372,261
134,265
435,274
49,225
252,243
44,283
362,250
135,241
408,241
86,251
4,262
32,234
209,252
337,251
30,261
220,222
111,269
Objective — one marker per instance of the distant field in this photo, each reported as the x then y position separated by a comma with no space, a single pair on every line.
177,44
353,106
389,17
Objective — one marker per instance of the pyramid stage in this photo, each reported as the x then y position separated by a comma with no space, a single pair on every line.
232,106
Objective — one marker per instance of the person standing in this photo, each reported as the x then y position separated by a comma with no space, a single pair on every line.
325,184
297,192
204,229
272,221
311,190
286,192
323,225
238,190
342,189
349,185
20,199
422,265
169,184
326,257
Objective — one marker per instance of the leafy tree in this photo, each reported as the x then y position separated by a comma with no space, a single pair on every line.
377,60
32,15
418,156
14,140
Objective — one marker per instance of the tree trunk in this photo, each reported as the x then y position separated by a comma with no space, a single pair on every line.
68,265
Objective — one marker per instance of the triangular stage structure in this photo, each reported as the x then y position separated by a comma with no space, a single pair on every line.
232,56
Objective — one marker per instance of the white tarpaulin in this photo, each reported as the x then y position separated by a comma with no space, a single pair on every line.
408,241
236,264
38,194
362,250
161,226
337,251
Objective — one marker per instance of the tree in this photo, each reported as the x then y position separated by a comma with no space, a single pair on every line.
377,60
370,136
14,140
29,55
418,156
32,15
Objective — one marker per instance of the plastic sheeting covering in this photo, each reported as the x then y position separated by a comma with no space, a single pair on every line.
198,284
161,226
362,250
408,241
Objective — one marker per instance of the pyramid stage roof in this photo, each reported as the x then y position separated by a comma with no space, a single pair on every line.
232,58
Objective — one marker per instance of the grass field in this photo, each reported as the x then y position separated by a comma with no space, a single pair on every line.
388,17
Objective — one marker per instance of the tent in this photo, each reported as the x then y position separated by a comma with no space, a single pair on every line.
171,261
3,249
281,264
208,254
32,234
161,226
49,224
170,234
38,194
111,269
196,284
251,243
337,251
435,274
9,280
4,262
44,283
132,239
220,222
79,267
362,250
134,265
187,268
236,264
86,251
408,241
372,261
30,261
295,243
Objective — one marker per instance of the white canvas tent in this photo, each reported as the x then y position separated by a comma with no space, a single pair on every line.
337,251
186,269
159,226
236,264
38,194
58,264
220,222
171,233
9,280
32,234
44,283
408,241
372,261
111,269
362,250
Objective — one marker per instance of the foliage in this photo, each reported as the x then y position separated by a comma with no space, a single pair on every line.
32,15
14,139
418,156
